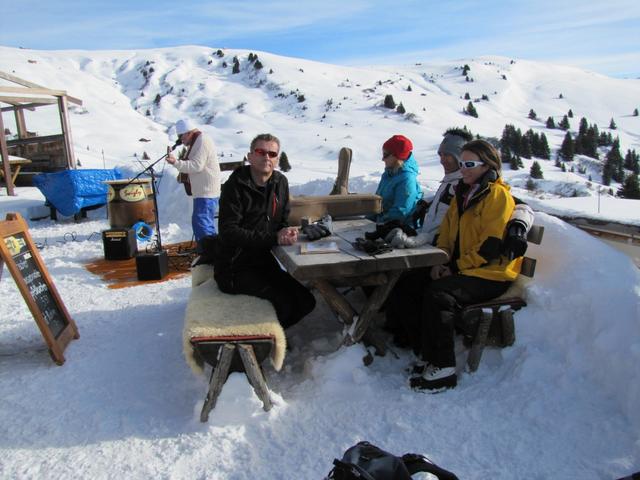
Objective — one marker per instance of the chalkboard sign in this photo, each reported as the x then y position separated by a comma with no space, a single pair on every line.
29,272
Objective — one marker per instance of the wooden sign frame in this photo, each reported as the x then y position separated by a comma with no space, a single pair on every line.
20,254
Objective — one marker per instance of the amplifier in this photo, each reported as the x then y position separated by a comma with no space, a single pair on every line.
152,266
119,244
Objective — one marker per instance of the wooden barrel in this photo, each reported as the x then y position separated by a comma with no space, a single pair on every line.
129,202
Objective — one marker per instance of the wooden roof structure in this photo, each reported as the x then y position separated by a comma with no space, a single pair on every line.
29,96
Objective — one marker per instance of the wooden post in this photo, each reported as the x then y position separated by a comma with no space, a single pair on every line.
341,187
6,167
20,123
66,132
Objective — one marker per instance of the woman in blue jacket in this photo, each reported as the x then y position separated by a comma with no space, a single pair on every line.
398,187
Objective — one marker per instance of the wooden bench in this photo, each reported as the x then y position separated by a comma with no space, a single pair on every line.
491,322
231,333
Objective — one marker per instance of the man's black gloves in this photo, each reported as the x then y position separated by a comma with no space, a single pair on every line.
319,229
314,231
515,243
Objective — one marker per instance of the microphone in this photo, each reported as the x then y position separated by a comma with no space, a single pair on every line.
177,144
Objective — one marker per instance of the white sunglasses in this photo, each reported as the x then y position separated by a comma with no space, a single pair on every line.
470,164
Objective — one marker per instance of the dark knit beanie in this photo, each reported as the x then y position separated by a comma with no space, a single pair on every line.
452,144
399,146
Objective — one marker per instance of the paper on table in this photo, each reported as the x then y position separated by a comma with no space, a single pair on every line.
319,247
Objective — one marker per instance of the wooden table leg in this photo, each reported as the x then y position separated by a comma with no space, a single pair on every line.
336,301
218,377
377,298
15,174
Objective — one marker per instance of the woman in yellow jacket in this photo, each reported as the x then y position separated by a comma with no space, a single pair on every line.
471,234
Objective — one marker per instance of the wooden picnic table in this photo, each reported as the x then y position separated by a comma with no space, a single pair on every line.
354,268
14,163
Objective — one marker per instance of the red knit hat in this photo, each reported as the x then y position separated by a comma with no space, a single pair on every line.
399,146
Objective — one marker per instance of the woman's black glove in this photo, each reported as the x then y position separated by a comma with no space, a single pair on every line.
515,243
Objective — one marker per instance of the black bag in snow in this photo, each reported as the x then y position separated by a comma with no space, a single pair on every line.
365,461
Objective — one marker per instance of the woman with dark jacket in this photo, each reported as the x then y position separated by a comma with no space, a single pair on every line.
472,234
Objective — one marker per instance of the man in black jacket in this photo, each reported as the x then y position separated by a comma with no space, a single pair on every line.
254,210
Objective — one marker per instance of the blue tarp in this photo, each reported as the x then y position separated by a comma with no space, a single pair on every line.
71,190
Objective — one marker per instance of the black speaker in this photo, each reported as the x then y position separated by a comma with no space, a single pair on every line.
152,266
119,243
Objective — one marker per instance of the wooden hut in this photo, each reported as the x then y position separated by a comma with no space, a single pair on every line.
30,153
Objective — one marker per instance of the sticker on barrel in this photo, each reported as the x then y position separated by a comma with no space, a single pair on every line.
132,193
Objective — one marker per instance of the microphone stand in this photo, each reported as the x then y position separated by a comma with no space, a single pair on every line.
152,173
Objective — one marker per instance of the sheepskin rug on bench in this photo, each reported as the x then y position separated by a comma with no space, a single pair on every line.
212,313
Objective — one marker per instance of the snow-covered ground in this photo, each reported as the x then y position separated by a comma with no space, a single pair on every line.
561,403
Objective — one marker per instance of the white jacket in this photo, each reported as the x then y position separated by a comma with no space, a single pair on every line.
203,168
439,205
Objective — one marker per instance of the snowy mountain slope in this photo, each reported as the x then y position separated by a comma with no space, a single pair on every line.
561,403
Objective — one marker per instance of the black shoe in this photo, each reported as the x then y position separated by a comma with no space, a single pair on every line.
417,368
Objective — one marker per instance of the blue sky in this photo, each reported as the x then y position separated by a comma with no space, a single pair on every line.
601,36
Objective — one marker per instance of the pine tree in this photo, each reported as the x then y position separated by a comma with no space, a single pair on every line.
236,65
631,161
409,89
630,188
285,166
401,109
564,123
465,70
536,170
584,126
467,96
612,125
567,148
532,114
463,132
563,167
505,154
545,151
590,143
614,164
258,64
570,113
551,123
525,147
471,110
389,102
531,185
635,112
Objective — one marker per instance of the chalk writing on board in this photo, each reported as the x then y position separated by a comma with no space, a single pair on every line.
35,283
